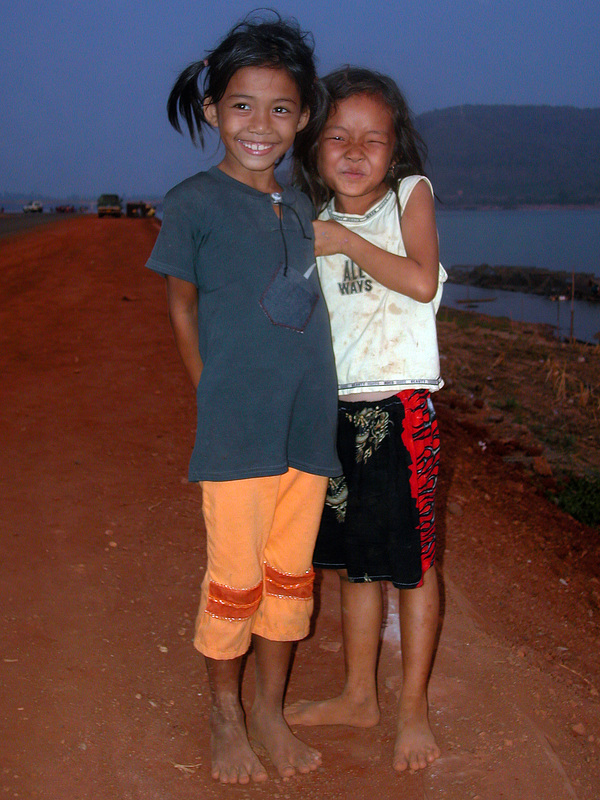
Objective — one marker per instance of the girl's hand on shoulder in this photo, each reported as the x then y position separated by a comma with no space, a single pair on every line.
330,237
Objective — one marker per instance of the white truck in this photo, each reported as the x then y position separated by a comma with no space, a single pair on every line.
35,207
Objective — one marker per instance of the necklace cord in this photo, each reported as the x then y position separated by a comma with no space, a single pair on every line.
277,200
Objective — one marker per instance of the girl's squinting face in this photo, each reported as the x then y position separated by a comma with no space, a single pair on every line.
355,152
258,118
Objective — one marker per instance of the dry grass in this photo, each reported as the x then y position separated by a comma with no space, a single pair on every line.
570,387
525,387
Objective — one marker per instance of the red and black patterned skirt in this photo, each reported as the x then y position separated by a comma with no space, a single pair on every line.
379,516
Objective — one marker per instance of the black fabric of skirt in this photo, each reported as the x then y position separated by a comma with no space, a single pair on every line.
370,521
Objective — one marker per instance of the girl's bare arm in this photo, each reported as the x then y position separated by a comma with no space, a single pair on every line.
182,298
415,275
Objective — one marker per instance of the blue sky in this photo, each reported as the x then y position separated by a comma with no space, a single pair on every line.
84,84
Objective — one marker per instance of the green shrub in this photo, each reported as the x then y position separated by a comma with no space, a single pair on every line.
580,497
559,440
510,404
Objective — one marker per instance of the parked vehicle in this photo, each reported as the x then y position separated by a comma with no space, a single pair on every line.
109,205
35,207
140,209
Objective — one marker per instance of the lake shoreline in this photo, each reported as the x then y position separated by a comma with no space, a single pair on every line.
556,285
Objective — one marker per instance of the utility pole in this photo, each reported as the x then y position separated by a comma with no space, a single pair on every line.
572,304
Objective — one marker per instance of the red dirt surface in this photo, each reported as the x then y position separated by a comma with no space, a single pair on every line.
103,695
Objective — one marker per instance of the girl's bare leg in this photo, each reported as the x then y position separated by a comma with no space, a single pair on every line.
357,705
415,745
233,760
265,722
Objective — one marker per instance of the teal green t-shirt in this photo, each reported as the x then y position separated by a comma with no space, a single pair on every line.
267,397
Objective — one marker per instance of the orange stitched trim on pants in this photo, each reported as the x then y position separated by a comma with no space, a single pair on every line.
281,584
226,602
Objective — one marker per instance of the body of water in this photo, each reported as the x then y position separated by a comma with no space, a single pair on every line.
553,238
521,307
557,239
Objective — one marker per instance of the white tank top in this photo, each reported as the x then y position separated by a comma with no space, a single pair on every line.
383,341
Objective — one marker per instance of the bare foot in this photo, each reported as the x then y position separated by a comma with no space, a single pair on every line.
288,754
233,760
415,746
335,711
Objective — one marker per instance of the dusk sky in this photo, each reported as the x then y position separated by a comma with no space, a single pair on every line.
84,84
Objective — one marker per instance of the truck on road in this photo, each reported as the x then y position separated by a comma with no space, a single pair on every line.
35,207
109,205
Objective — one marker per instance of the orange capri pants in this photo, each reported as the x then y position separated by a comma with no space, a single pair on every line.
260,535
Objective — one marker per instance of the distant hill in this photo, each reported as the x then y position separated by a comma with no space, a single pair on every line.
513,155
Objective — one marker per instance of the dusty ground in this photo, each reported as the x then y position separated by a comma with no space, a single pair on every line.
102,556
534,399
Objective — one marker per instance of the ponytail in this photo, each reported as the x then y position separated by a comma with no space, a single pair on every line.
187,101
254,42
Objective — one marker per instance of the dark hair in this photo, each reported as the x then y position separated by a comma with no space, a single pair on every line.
253,42
410,151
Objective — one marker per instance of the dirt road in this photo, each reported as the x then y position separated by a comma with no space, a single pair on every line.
102,556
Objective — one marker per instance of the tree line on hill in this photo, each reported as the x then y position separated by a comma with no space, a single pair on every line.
510,156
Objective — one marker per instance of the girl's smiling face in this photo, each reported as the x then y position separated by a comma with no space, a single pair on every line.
258,118
355,152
